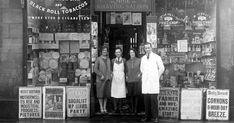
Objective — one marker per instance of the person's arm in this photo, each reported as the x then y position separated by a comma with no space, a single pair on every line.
96,68
161,67
142,65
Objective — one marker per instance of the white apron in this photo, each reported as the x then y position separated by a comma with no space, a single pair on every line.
118,87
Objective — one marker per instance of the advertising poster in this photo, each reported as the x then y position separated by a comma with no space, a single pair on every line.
78,101
182,45
168,103
191,104
30,102
127,18
136,19
217,104
53,102
152,34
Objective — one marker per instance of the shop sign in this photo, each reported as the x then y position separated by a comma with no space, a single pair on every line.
30,102
123,5
53,102
217,104
201,19
78,101
169,19
191,104
62,10
168,103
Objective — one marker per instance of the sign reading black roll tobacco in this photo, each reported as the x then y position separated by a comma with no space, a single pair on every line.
168,104
30,102
59,10
217,105
78,101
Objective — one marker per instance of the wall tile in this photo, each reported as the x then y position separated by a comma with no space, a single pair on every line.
12,16
5,3
16,31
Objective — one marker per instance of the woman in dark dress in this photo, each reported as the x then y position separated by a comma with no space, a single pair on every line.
102,68
133,78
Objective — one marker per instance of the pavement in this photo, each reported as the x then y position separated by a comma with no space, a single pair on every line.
104,119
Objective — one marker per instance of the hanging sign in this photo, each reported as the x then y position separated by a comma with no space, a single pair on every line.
78,101
201,20
123,5
53,102
169,19
191,104
30,102
168,103
217,104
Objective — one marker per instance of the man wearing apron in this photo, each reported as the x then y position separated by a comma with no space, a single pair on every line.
118,86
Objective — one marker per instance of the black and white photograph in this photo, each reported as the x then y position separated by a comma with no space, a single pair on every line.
117,61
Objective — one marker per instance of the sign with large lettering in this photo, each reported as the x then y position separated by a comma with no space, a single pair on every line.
123,5
191,104
53,102
168,103
78,101
217,104
30,102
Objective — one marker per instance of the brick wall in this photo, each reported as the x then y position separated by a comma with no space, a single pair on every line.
11,55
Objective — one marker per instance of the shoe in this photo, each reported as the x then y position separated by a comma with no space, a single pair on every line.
145,119
155,120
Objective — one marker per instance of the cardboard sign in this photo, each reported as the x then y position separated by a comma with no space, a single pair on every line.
191,104
78,101
30,102
168,103
217,104
53,102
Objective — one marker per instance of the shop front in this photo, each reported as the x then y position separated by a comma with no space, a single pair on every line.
64,37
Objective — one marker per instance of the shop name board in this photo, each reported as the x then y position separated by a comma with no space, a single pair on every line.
169,19
169,103
217,105
30,102
122,5
62,10
78,102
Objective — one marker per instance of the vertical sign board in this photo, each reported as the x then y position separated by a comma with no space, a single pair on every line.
30,102
78,101
168,103
191,104
217,104
53,102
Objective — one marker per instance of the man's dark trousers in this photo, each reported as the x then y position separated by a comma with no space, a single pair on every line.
151,105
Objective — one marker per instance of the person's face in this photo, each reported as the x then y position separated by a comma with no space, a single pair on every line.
118,53
104,52
148,48
132,54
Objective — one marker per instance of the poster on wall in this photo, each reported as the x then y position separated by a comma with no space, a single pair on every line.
53,102
152,34
136,19
30,102
217,104
182,45
78,101
168,103
191,104
94,29
127,18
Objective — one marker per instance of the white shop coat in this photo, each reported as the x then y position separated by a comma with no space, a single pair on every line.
151,70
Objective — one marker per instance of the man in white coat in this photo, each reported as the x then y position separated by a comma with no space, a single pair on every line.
151,68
